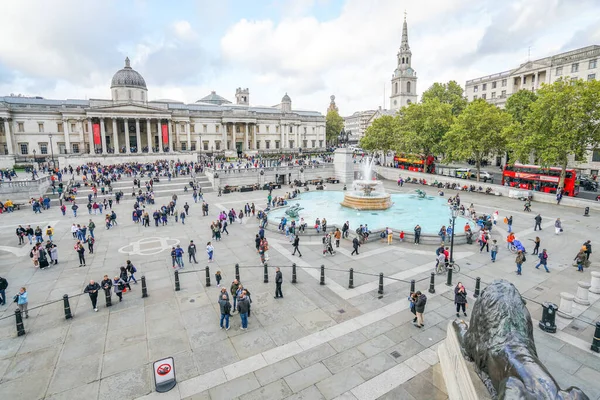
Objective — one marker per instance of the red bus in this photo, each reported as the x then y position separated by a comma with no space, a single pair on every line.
534,177
415,163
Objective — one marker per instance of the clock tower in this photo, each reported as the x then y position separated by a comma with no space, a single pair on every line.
404,78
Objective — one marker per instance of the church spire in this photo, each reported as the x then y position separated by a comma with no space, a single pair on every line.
404,46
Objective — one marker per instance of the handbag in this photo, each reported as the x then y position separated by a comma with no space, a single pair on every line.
16,298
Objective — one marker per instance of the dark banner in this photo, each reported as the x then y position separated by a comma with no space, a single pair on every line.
96,131
165,133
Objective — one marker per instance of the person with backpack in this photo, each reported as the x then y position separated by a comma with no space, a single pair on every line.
90,242
21,234
74,207
580,259
412,300
460,299
543,256
520,260
119,286
3,287
225,307
420,308
132,270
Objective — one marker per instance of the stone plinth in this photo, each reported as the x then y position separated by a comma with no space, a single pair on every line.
595,285
343,165
583,291
565,309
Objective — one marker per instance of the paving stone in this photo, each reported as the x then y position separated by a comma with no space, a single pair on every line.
375,345
315,355
128,384
24,364
185,365
31,386
346,396
375,365
165,346
347,341
252,342
310,393
74,373
343,360
339,383
234,388
315,320
84,392
273,391
216,355
286,331
430,336
276,371
307,377
123,337
125,358
40,339
406,349
398,393
376,329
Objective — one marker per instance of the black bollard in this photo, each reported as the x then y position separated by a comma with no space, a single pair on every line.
586,212
177,286
548,317
351,280
449,280
20,326
207,276
107,297
477,287
68,314
294,273
144,287
266,274
380,291
432,283
596,341
237,272
412,286
322,275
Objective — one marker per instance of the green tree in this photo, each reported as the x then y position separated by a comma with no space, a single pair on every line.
519,107
449,93
381,135
422,126
333,125
477,132
564,121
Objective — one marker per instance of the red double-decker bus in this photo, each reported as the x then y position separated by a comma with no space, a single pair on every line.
415,163
534,177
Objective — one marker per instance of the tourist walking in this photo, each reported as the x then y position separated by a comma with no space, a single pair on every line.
218,278
124,277
390,235
179,256
210,251
107,286
3,287
22,302
225,307
538,222
588,249
420,308
278,282
337,235
543,256
345,229
536,248
519,260
580,260
132,270
355,245
417,234
92,289
460,299
509,222
80,252
494,250
119,285
243,308
557,226
295,244
192,252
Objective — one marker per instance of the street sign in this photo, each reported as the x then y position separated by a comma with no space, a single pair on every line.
164,374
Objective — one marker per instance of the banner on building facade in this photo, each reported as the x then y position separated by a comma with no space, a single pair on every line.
96,131
165,133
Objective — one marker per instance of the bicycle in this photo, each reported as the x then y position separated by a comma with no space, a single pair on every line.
513,249
443,268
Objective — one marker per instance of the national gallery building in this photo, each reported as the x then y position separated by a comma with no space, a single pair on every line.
128,124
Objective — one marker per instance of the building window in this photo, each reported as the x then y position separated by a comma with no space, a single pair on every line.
2,127
291,129
237,129
182,128
313,143
591,77
267,144
205,128
474,97
396,88
524,80
43,148
228,145
503,94
192,128
475,89
407,87
60,127
484,86
62,149
558,71
75,148
592,64
183,145
483,96
73,128
291,143
313,132
517,81
494,85
218,144
257,128
596,156
277,144
305,130
267,128
276,129
40,127
305,143
20,127
24,148
85,127
193,147
258,145
205,145
320,143
217,128
493,95
504,82
575,67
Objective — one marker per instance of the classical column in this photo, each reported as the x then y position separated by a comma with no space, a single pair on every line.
282,139
297,141
81,136
245,146
189,135
103,133
9,143
170,122
160,140
198,140
223,136
254,137
537,79
138,138
91,136
148,136
115,135
127,141
67,138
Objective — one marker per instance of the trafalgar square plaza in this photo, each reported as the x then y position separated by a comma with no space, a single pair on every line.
227,251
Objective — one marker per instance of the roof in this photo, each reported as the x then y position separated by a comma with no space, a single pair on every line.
213,98
43,102
128,77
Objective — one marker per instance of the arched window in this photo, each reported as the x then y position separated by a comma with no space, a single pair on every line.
402,60
407,87
396,88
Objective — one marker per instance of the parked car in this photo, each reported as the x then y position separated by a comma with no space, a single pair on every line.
463,173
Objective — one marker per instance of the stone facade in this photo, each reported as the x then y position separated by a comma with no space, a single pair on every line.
404,78
357,124
37,129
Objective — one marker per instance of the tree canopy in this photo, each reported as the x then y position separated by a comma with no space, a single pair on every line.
477,132
450,93
333,125
422,126
381,135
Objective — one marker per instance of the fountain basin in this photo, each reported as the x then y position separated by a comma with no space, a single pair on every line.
375,201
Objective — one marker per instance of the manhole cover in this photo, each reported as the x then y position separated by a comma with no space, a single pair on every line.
395,354
341,311
539,289
192,300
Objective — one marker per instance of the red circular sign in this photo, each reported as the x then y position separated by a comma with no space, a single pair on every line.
163,369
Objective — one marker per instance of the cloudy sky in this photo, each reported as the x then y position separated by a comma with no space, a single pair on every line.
310,49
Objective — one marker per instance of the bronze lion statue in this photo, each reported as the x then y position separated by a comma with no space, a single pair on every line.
500,342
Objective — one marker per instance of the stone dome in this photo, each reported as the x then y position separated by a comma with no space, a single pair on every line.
286,99
128,77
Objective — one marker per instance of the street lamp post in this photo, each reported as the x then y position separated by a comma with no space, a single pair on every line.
451,261
51,150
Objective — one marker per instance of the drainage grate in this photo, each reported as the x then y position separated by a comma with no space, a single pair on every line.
539,289
575,328
341,311
192,300
380,297
395,354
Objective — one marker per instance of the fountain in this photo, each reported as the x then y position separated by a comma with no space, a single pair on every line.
367,194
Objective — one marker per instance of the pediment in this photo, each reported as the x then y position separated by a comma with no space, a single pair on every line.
128,108
530,66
